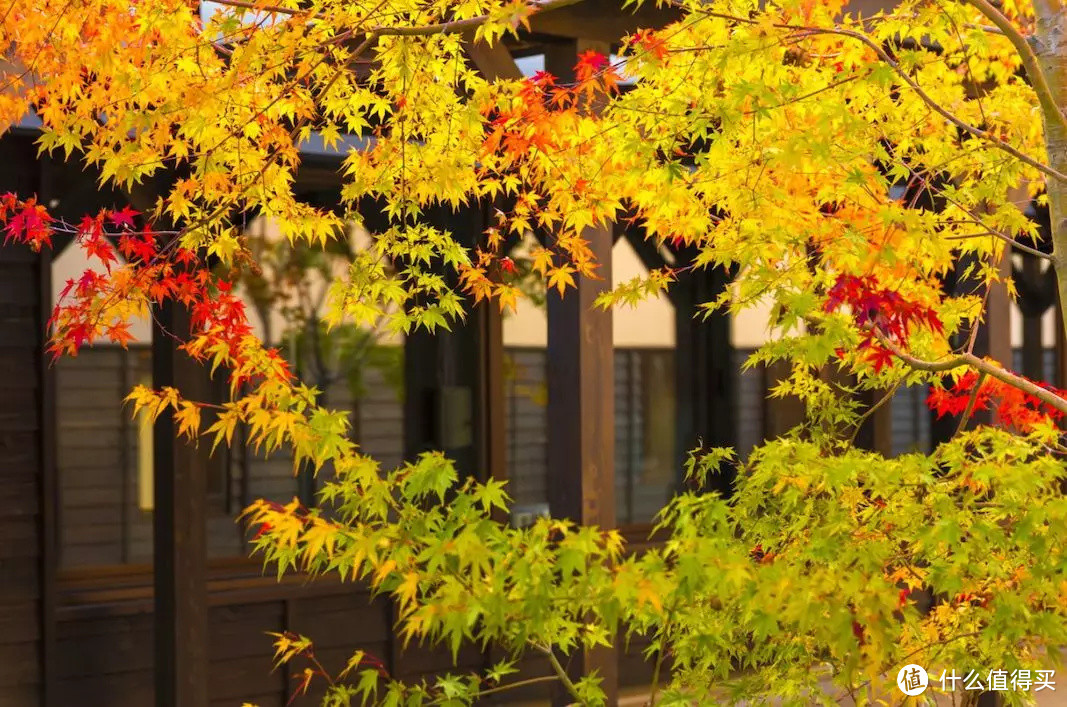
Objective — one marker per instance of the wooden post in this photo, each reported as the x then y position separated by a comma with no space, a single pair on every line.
180,542
493,62
704,371
49,488
492,413
581,421
581,397
440,375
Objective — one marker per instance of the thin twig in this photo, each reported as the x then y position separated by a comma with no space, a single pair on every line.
501,688
873,409
971,401
1006,238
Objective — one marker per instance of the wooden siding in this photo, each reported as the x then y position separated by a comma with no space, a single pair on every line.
527,426
21,461
749,403
104,649
101,521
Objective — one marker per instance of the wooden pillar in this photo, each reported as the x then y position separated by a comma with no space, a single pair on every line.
492,409
581,396
493,62
705,378
49,488
441,375
180,541
581,421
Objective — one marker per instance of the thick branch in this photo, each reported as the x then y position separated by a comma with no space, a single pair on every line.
980,365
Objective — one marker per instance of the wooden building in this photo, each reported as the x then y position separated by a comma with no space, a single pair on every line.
123,576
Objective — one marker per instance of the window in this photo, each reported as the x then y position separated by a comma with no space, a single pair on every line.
646,471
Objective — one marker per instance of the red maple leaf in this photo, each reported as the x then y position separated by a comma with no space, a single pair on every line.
124,218
31,225
138,247
651,43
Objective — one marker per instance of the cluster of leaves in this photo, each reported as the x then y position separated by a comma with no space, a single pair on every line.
1011,406
744,121
879,312
831,566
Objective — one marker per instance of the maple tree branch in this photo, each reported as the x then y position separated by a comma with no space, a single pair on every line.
1007,239
504,688
261,7
971,401
873,409
559,670
912,84
934,105
979,364
1038,81
452,26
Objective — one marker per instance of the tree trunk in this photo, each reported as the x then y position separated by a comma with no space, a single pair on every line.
1050,46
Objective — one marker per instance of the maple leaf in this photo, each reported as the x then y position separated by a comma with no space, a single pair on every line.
96,246
140,247
31,225
880,356
119,333
123,219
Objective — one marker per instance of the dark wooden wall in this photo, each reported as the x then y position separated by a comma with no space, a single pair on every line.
25,600
22,604
104,646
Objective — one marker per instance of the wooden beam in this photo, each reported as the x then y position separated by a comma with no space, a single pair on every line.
581,399
180,541
493,62
604,21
